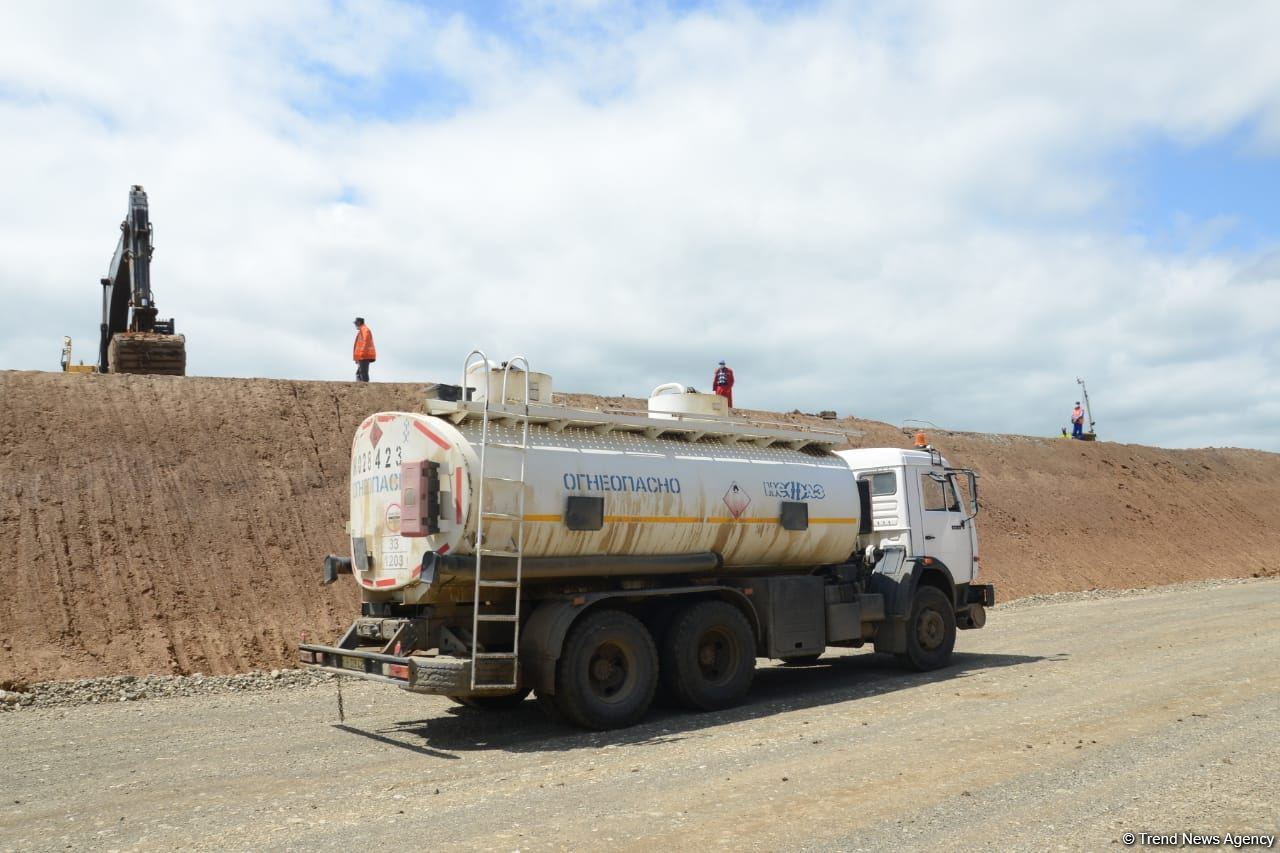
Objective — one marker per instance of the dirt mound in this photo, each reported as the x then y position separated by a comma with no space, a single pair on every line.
165,524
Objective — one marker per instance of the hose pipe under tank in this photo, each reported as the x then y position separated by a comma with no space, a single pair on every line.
436,567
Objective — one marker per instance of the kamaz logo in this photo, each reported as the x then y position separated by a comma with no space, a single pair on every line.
794,490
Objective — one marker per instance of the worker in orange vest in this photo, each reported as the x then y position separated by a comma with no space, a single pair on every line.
722,383
1077,421
363,352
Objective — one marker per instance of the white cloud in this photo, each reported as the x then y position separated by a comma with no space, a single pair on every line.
895,215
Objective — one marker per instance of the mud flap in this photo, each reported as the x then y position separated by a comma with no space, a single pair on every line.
981,593
891,638
541,640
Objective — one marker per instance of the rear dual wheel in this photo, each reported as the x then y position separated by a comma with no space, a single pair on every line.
607,671
609,667
708,656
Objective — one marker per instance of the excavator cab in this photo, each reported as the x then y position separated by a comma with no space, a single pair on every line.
134,339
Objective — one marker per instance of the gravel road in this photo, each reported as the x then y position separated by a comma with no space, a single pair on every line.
1063,724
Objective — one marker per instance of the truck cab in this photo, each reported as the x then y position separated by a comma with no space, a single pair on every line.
922,528
922,505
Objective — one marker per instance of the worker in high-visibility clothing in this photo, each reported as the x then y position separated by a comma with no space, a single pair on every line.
1077,421
363,352
722,383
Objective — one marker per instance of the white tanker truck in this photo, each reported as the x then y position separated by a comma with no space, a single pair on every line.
504,545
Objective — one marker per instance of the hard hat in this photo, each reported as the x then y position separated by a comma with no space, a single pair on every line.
722,362
359,321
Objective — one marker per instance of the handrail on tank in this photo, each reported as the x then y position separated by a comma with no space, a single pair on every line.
735,420
506,371
466,369
484,444
667,386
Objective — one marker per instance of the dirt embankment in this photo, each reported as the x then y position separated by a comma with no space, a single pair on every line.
164,524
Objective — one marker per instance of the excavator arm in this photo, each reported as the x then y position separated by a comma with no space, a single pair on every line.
133,339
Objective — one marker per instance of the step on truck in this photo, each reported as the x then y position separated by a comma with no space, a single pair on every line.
505,545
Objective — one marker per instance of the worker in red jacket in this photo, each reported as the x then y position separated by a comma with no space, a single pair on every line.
722,383
1077,421
364,353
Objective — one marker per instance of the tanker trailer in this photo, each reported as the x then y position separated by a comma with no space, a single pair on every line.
505,545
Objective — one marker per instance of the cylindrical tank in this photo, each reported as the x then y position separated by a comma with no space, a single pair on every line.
655,495
673,399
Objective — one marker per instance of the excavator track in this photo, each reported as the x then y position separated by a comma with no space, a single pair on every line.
147,352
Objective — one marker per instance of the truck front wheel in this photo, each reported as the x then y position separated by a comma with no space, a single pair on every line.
931,630
607,672
709,656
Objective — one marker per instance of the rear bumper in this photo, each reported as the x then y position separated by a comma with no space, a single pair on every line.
373,666
436,675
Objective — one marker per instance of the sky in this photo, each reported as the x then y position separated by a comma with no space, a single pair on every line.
911,210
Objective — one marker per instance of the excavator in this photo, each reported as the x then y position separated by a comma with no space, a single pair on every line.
134,340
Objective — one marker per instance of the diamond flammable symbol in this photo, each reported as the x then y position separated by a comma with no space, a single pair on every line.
737,500
375,434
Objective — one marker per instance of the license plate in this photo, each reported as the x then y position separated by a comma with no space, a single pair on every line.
353,663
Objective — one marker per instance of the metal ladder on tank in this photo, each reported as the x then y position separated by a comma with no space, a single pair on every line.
484,584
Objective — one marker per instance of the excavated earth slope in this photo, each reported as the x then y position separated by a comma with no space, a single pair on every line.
171,524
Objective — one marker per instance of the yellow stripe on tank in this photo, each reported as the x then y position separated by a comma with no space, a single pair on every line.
651,519
676,519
